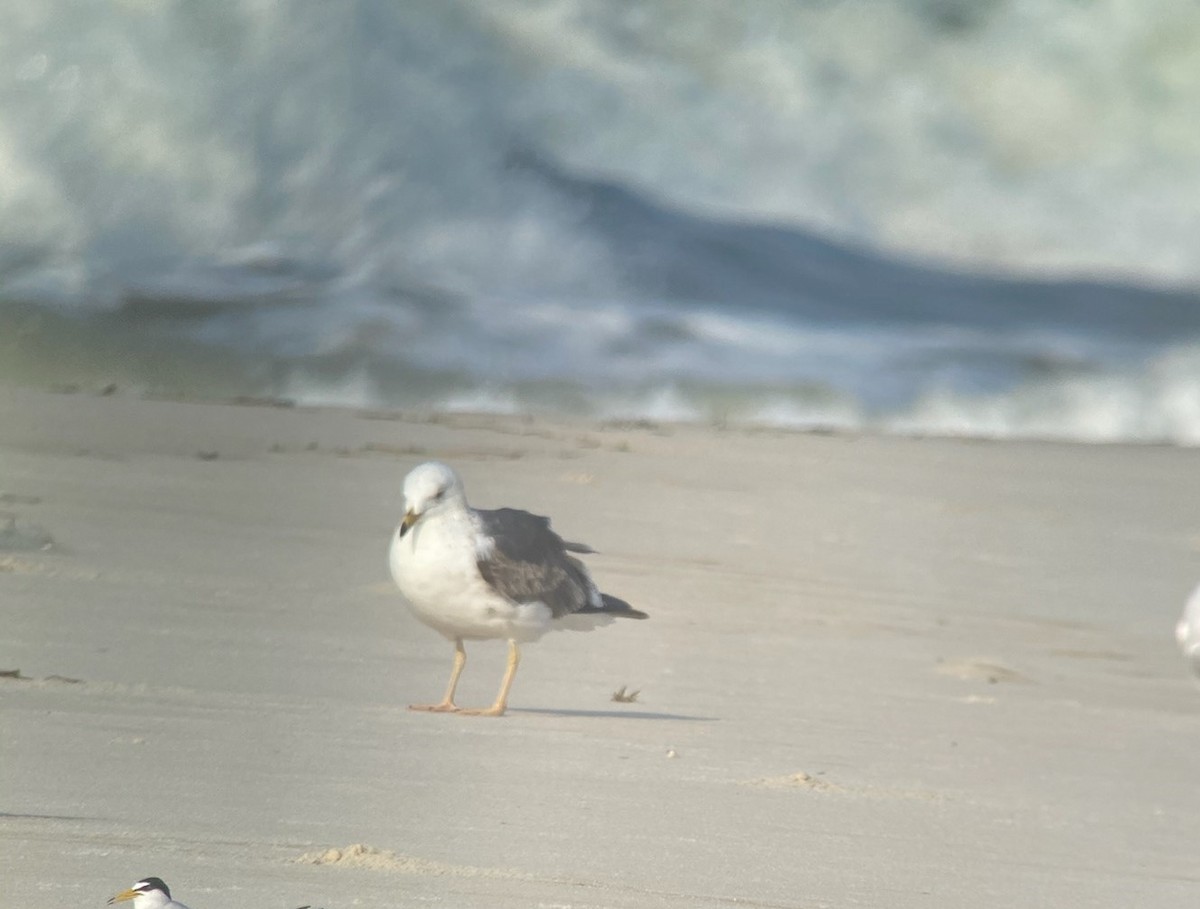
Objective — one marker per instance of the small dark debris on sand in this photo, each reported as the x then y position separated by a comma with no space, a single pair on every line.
621,696
261,401
17,676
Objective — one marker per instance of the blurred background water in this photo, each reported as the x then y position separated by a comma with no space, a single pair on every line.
938,216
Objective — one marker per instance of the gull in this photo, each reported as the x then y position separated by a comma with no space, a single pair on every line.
1187,630
148,893
476,575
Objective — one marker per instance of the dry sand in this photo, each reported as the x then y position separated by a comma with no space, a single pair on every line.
879,672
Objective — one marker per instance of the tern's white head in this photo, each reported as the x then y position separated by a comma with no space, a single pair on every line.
427,488
148,893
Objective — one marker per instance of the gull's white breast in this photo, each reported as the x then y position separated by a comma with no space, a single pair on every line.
434,565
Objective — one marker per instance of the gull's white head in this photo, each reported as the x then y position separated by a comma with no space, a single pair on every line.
148,893
1187,630
428,488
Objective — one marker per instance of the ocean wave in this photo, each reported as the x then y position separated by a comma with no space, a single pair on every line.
932,216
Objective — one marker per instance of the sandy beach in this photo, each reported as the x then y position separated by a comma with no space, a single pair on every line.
878,672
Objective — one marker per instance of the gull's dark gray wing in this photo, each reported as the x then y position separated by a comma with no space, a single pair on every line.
526,561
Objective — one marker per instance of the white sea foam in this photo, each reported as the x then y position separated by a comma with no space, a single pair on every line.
624,209
480,400
1049,135
356,391
1158,402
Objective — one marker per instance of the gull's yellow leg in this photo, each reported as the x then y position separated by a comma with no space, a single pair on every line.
497,709
447,705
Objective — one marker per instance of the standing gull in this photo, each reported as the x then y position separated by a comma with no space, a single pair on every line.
475,575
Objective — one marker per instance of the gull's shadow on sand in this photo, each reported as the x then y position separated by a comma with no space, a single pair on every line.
615,714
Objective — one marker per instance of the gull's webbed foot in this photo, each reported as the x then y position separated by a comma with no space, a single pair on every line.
494,710
443,707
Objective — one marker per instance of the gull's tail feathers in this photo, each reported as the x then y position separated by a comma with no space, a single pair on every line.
615,606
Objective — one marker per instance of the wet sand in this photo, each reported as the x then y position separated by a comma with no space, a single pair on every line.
878,671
